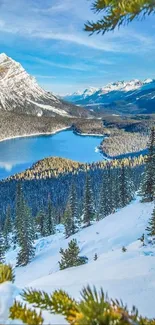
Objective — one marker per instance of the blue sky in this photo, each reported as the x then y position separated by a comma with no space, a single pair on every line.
47,38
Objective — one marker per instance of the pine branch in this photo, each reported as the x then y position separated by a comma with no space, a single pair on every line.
57,303
117,13
6,273
26,315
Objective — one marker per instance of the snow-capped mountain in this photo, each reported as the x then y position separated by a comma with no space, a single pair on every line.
138,95
19,92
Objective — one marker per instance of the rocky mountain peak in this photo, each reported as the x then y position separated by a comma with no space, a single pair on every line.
20,93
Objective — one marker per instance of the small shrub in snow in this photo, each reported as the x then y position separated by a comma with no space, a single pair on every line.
151,226
142,239
70,256
124,249
95,257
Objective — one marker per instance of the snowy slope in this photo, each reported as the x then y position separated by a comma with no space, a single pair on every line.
19,92
129,276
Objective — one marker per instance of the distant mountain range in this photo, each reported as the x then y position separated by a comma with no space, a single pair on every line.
20,93
129,97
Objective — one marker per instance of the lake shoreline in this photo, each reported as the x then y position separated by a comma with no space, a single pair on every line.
52,133
35,134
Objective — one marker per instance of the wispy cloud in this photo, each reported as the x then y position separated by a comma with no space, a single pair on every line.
63,21
78,66
44,77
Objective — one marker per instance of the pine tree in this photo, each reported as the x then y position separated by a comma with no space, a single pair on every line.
68,221
89,212
71,220
151,226
18,212
126,189
70,257
48,223
40,221
7,226
106,194
74,205
147,190
2,248
26,239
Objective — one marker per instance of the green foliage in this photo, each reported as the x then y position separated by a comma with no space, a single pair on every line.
69,256
18,212
117,13
40,222
26,237
7,227
21,312
126,187
71,219
2,248
45,220
94,308
55,303
6,273
147,190
151,226
142,239
89,213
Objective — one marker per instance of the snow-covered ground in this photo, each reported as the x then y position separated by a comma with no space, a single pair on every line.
129,276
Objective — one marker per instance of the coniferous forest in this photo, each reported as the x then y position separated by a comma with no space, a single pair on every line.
75,196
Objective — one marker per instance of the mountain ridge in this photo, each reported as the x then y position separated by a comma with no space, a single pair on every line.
134,96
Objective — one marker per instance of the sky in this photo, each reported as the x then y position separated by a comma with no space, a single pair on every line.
47,38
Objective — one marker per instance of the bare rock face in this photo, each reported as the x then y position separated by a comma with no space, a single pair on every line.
20,93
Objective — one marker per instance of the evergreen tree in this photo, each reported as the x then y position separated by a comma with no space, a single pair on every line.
26,239
40,221
48,223
89,212
103,199
151,226
116,189
7,226
126,189
2,248
70,257
147,190
68,222
18,212
71,220
107,194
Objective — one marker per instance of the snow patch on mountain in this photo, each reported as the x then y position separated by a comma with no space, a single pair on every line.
20,93
95,95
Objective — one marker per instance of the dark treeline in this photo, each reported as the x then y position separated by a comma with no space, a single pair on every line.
105,182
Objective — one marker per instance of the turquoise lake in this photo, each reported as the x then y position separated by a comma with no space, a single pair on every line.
20,153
